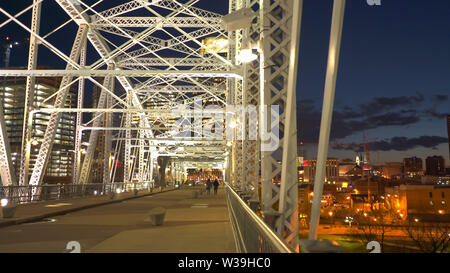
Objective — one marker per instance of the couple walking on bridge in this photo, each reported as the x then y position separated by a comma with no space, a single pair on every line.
209,184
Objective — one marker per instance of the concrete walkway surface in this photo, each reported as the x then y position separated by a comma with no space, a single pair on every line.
192,225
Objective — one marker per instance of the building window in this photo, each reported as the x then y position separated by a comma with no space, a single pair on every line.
431,195
443,194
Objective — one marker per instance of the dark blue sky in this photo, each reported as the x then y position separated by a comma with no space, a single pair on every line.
393,83
393,78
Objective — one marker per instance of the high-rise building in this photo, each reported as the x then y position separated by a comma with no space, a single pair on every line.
301,155
393,170
331,173
413,166
12,98
435,165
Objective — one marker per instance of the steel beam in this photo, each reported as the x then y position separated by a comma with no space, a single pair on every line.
25,150
47,143
280,18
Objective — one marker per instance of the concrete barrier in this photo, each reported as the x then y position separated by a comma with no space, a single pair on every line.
157,216
8,211
194,194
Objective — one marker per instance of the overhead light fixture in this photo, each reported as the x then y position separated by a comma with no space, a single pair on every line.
238,19
34,142
246,56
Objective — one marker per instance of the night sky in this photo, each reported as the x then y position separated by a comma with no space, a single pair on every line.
393,82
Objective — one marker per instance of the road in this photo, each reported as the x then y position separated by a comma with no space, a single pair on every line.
191,225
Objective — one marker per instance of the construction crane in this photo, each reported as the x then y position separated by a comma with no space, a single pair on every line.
7,44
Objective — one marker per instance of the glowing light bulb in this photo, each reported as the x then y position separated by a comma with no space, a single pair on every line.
4,202
246,56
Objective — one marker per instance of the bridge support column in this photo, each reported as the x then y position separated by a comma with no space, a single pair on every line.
280,21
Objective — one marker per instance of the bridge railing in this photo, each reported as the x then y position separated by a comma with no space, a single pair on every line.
251,233
29,193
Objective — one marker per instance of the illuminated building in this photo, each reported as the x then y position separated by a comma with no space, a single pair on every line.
331,173
413,166
426,202
12,97
301,154
435,166
393,170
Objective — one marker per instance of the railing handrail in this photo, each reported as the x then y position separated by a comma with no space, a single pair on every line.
274,239
21,194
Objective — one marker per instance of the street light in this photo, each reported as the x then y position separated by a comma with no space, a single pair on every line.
246,56
238,19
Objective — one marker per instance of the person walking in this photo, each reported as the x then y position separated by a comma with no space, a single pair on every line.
208,186
216,186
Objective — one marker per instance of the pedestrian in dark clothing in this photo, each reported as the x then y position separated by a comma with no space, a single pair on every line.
208,186
216,186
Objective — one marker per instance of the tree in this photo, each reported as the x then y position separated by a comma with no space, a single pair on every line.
429,237
374,224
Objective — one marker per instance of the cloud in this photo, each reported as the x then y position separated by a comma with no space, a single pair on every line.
375,113
434,114
381,104
440,98
403,143
343,124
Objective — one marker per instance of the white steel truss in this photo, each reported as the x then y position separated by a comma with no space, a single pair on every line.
156,75
7,175
46,145
280,20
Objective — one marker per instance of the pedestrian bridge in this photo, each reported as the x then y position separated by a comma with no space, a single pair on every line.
174,84
194,223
